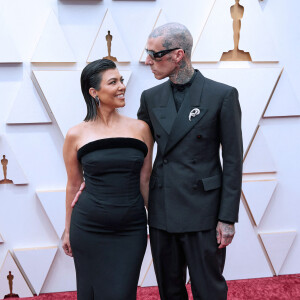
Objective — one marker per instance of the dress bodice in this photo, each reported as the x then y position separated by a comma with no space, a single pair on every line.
112,168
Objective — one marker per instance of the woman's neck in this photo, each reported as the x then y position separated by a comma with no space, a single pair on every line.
107,116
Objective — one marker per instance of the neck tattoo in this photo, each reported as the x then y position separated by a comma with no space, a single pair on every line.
183,74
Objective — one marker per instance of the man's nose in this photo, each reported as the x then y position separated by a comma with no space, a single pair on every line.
148,60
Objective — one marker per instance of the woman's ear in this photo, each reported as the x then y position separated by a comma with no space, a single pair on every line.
93,92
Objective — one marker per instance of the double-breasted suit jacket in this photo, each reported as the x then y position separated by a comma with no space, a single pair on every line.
189,188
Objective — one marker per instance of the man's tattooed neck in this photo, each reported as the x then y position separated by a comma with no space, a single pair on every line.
183,74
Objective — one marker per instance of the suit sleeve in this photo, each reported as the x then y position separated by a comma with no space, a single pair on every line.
232,153
143,114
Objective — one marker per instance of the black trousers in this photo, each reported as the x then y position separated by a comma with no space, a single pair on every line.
173,252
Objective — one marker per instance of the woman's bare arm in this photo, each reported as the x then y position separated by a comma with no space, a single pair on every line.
75,178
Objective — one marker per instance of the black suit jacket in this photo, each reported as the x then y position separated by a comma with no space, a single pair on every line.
189,189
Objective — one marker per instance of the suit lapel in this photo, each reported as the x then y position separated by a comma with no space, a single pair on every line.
166,113
182,125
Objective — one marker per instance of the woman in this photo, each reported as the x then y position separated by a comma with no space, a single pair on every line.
107,233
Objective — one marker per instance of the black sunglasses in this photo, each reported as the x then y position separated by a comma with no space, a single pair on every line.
159,54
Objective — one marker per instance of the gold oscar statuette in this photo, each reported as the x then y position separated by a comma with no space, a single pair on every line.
10,278
4,163
237,12
109,38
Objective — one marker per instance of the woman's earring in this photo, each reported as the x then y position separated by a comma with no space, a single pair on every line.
97,100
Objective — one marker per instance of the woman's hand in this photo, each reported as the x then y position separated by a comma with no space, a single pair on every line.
66,244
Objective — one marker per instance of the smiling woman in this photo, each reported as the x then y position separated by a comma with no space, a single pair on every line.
91,83
106,228
111,90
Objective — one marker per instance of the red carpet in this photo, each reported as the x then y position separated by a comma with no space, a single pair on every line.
285,287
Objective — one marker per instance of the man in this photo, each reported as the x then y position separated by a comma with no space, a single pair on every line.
193,200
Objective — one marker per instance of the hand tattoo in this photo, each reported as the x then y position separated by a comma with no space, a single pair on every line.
225,233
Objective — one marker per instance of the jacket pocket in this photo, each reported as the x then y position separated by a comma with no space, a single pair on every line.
211,183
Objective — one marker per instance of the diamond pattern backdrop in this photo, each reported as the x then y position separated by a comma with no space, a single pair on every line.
62,36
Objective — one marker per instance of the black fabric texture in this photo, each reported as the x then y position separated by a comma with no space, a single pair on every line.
117,142
108,230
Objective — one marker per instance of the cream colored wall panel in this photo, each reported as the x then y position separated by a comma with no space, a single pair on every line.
10,273
29,226
8,51
28,107
150,278
61,276
53,203
255,37
282,19
100,48
282,213
146,263
278,245
62,91
255,87
126,75
39,152
39,148
258,194
9,165
26,28
161,19
245,257
52,45
217,36
259,158
284,101
36,263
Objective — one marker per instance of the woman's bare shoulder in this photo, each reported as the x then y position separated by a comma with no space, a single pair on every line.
136,124
76,131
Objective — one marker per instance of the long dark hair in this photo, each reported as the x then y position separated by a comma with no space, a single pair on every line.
91,77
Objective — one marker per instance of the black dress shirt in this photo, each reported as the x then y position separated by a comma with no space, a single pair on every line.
180,90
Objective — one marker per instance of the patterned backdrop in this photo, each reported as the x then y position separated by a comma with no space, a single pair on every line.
44,47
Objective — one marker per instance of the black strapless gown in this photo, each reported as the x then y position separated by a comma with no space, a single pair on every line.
108,232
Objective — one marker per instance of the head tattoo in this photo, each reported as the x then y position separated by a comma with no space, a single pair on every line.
174,35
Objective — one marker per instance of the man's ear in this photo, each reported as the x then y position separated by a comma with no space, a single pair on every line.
179,55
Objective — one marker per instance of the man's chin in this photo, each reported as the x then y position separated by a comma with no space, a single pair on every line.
159,77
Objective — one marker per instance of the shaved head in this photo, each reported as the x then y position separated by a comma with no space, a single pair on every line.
174,35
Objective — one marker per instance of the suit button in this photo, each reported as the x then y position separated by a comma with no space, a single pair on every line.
159,185
194,161
158,136
195,186
199,136
165,161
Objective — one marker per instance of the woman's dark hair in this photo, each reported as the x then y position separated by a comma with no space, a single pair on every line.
91,77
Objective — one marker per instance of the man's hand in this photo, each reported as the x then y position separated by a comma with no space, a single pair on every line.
82,186
225,233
